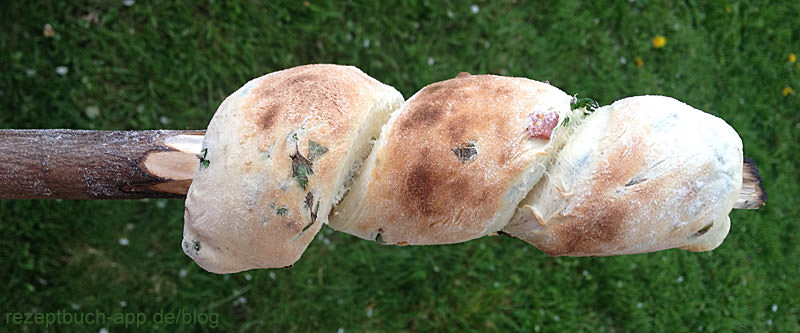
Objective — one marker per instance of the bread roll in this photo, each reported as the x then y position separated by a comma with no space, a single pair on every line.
276,156
461,159
453,163
644,174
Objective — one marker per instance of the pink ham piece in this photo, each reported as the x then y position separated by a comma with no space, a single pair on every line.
542,123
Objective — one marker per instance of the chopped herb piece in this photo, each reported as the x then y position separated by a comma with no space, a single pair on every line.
301,168
635,181
588,104
566,121
191,246
310,205
306,227
315,150
465,151
281,210
378,237
703,230
203,161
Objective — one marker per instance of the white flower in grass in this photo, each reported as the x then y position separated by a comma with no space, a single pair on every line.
556,318
474,9
164,120
92,112
182,272
272,275
123,304
103,330
366,43
639,305
774,307
124,241
247,276
340,330
161,203
623,61
128,2
30,72
62,70
680,279
450,14
431,61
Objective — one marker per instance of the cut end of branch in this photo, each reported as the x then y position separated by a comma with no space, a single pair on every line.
753,195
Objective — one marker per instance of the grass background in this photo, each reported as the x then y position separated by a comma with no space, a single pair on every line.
164,64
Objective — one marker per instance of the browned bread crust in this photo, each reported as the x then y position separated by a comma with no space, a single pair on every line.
277,150
644,174
461,159
452,163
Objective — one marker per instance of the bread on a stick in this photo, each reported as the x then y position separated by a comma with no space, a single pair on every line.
643,174
274,160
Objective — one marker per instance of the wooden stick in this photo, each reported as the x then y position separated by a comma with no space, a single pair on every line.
752,195
78,164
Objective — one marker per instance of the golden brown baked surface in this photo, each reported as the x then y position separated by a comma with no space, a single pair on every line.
277,149
461,159
646,173
452,163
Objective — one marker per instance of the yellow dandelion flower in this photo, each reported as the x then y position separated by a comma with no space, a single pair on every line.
792,57
728,9
786,91
638,61
659,41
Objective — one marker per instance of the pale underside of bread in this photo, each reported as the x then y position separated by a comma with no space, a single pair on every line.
644,174
279,150
452,163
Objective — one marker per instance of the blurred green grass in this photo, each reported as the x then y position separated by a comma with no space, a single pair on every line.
165,64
